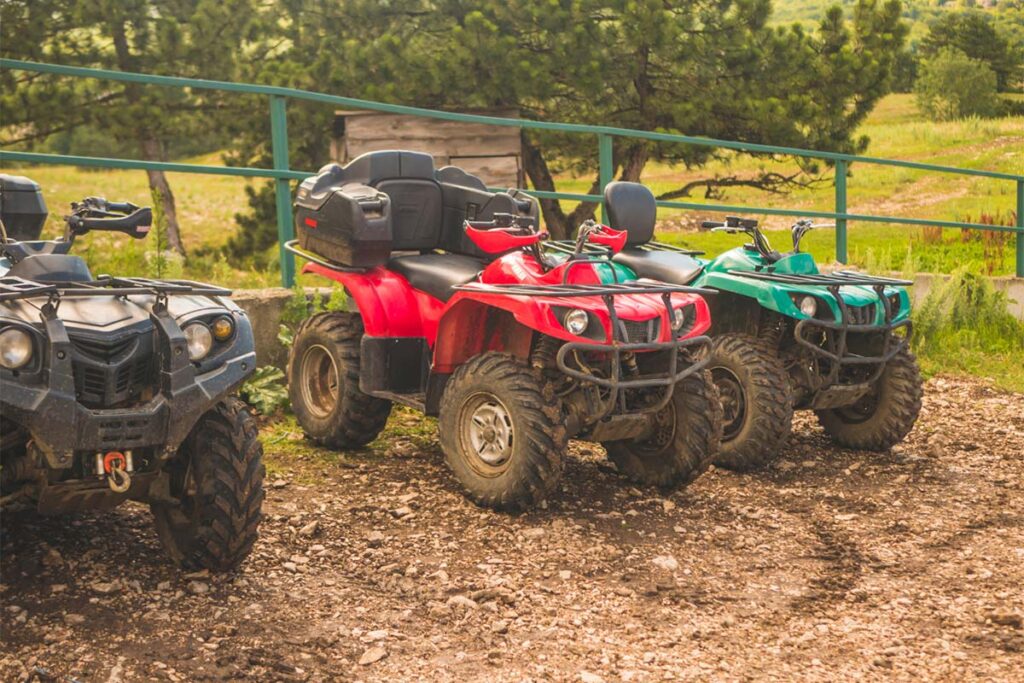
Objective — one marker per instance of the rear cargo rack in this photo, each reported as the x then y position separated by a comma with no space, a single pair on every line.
292,246
839,278
569,247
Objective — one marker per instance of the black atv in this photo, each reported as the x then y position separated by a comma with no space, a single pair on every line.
115,388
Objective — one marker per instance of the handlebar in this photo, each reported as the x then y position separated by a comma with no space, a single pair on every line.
96,213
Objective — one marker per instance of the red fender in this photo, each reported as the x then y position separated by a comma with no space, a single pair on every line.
390,307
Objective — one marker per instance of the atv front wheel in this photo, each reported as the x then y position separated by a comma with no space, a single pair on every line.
685,440
884,417
500,439
323,383
217,480
757,409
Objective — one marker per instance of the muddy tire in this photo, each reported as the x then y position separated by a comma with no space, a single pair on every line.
757,405
883,418
218,480
684,444
323,383
503,442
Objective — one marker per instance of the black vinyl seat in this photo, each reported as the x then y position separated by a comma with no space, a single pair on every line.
437,274
666,266
52,268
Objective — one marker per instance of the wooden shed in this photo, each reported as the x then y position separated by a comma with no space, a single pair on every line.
494,153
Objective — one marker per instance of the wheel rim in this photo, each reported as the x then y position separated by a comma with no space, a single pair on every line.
319,381
861,411
664,431
487,433
733,399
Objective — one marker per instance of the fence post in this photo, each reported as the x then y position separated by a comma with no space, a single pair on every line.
282,189
606,168
841,168
1020,228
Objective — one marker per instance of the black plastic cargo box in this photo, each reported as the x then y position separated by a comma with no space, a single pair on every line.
22,208
349,224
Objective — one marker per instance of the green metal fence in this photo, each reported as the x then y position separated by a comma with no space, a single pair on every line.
281,173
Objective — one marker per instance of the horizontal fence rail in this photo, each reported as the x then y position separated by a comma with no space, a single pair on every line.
282,174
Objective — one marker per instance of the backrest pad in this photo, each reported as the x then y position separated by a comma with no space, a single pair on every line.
631,207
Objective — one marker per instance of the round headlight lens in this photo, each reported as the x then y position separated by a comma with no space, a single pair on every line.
223,328
15,348
809,306
678,319
576,321
200,340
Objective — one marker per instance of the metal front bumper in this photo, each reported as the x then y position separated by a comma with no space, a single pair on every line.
838,351
59,425
616,383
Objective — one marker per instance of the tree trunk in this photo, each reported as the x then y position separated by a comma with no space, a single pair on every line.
633,162
152,149
162,195
559,224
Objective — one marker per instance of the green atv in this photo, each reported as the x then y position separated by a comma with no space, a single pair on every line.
786,336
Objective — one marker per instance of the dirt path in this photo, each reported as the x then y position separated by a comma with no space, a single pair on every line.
831,565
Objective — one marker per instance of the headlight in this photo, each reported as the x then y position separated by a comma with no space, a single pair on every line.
576,321
808,306
223,328
683,318
895,303
199,339
15,348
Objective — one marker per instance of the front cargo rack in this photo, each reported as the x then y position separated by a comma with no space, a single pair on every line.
19,288
839,278
566,290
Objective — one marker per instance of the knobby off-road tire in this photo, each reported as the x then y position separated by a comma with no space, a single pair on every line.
323,383
884,417
218,479
757,405
685,441
504,444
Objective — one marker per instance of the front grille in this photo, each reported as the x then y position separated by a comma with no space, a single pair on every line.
113,372
640,331
860,315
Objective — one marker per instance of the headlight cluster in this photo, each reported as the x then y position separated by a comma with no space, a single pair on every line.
200,336
807,304
683,319
895,303
15,348
576,322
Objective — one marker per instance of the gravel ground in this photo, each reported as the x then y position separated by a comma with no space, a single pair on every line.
831,565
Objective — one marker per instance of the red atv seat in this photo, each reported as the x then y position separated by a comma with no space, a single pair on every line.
437,274
632,207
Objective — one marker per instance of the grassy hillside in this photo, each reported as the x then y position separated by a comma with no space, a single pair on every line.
917,13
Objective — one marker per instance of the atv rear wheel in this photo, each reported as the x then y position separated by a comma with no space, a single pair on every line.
323,383
217,479
757,407
884,417
502,441
685,440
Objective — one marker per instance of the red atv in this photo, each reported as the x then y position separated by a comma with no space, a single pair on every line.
513,353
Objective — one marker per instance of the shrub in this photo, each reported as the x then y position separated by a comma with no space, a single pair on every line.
966,314
951,85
